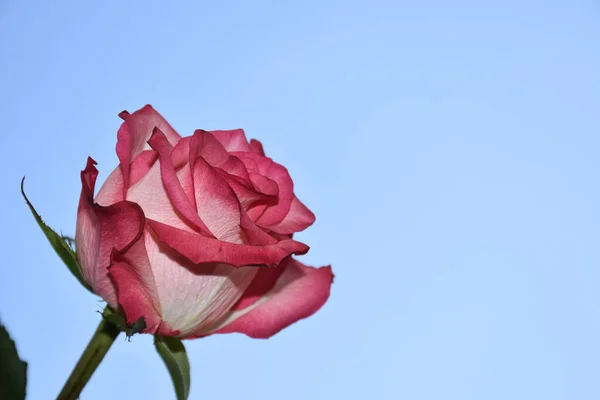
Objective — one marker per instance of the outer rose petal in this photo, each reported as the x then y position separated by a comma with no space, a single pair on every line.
201,249
257,147
131,273
234,140
193,296
134,133
263,282
100,230
298,293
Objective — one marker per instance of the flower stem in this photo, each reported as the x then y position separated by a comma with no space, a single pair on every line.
103,338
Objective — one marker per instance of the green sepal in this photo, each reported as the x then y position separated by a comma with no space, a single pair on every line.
175,358
13,371
59,243
120,323
137,327
114,318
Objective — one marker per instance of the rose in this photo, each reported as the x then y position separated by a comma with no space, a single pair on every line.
195,234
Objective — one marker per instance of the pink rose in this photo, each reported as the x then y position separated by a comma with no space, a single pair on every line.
195,234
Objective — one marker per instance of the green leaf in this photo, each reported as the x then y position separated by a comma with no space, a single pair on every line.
13,371
173,354
59,243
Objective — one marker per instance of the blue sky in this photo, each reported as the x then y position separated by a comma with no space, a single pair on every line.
448,149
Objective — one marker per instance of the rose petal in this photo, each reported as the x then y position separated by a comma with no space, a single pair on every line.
298,293
172,185
201,249
246,192
194,296
297,219
137,294
262,283
233,140
217,204
150,194
264,166
189,149
141,165
100,230
209,148
248,187
257,147
133,136
204,144
111,191
264,184
255,235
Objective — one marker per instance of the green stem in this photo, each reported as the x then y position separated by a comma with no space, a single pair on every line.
103,338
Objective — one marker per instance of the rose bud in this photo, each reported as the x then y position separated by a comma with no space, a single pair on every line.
194,234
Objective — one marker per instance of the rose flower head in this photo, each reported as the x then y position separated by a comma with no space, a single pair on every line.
195,234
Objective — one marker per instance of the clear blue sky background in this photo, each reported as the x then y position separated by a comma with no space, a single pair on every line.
448,148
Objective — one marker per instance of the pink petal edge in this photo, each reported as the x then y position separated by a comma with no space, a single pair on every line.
298,293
